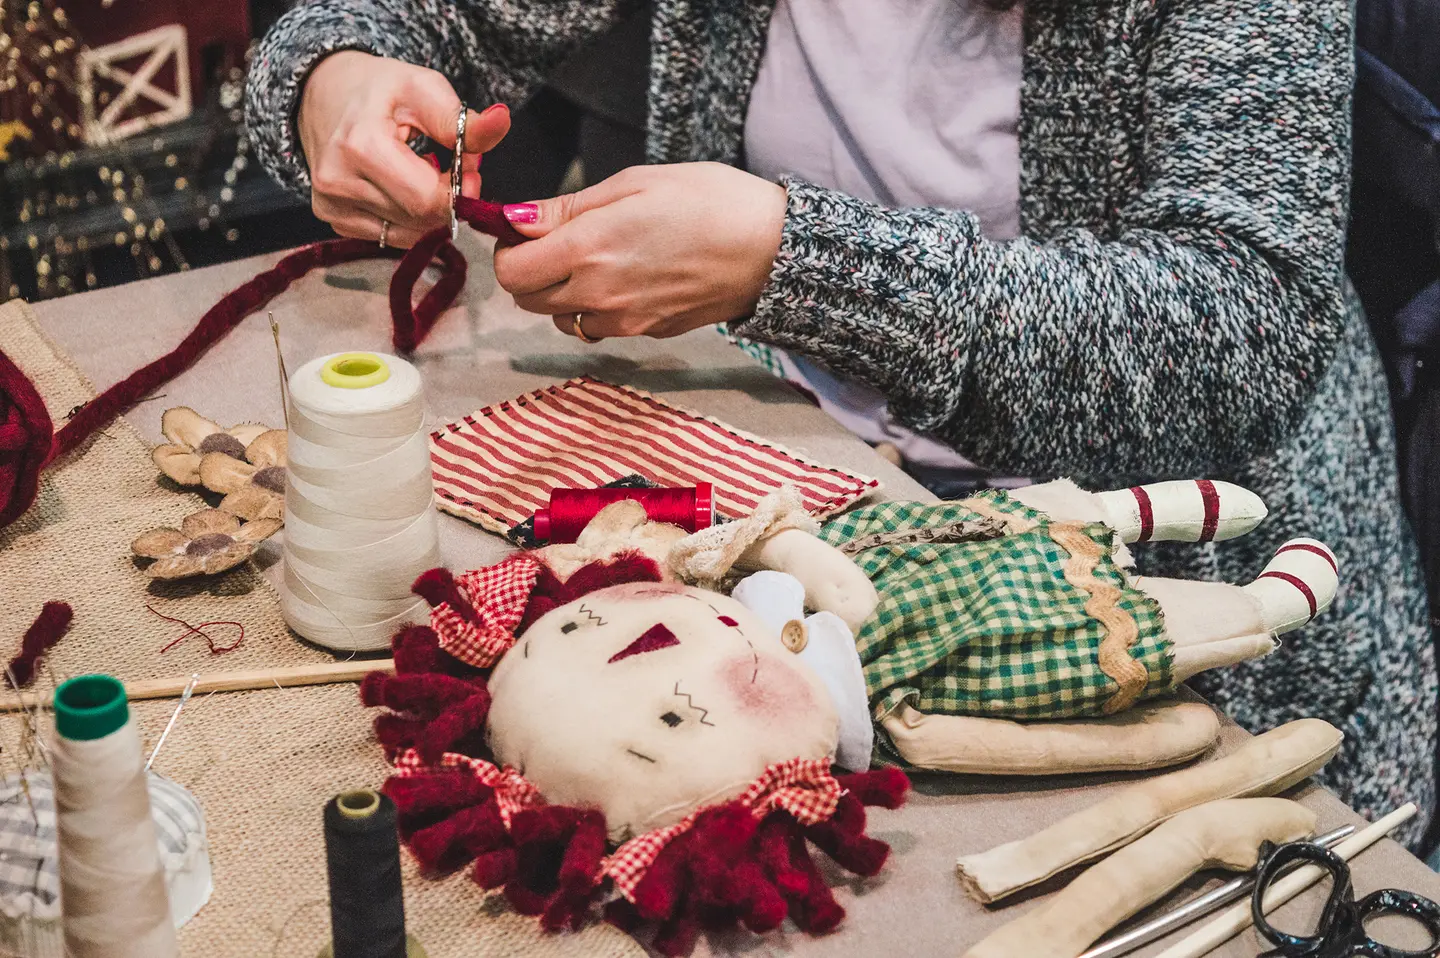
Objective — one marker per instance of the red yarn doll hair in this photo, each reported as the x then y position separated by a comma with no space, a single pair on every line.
728,869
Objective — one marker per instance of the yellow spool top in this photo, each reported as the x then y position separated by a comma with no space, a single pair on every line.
354,371
358,803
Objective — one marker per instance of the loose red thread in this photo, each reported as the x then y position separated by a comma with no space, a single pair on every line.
200,631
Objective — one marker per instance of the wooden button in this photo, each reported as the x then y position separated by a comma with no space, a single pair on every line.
794,637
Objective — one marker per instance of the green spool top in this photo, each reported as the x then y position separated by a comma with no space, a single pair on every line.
90,707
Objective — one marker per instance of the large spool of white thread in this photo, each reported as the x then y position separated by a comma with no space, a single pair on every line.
112,886
359,516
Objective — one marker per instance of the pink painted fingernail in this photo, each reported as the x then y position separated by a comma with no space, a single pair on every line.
493,107
522,212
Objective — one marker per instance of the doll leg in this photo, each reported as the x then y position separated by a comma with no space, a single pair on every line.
1182,511
1214,624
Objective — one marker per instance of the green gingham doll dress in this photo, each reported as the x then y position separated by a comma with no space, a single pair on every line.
1036,621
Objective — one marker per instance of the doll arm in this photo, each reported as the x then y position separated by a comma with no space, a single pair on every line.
1144,737
779,536
1225,834
1265,765
833,583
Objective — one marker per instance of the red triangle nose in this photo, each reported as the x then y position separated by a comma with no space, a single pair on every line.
654,638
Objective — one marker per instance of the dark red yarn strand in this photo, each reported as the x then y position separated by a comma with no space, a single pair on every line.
48,628
213,326
29,443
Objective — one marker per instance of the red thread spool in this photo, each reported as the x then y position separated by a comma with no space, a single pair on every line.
692,509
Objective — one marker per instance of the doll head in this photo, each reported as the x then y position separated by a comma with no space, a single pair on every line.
648,700
614,734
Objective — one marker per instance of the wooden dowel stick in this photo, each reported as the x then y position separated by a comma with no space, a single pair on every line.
1230,923
325,673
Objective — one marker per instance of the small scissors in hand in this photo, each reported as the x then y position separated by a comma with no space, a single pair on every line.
1341,932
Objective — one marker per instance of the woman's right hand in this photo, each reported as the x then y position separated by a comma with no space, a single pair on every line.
357,113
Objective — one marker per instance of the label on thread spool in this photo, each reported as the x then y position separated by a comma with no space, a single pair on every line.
692,509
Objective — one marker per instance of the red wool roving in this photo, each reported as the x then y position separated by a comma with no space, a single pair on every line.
28,442
571,510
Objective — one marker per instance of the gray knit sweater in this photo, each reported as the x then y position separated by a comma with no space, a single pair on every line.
1176,307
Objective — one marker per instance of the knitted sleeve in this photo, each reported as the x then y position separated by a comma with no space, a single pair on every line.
490,50
1187,339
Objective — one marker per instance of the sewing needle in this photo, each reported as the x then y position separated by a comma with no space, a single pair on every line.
1158,927
280,361
184,697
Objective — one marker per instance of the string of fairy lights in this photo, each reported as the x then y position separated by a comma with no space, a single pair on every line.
142,178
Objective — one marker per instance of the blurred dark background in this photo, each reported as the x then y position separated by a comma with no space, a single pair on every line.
86,203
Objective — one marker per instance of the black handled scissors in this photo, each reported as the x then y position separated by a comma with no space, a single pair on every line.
1341,932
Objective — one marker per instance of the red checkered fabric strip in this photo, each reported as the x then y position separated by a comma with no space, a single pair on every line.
803,787
499,594
512,791
499,465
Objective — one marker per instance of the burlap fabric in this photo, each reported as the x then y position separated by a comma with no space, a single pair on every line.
262,763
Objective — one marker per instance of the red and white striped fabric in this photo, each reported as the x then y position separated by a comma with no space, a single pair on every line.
499,594
512,791
803,787
499,465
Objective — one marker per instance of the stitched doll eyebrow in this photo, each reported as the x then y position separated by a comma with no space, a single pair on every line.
657,637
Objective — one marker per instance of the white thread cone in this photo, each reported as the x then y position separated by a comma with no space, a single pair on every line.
359,506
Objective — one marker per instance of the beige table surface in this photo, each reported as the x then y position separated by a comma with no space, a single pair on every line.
485,350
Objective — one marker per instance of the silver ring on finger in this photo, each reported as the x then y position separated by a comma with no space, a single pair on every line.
384,232
578,328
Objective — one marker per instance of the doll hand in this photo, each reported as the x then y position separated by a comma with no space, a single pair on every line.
356,115
653,250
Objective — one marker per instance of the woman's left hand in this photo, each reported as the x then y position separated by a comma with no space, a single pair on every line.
652,251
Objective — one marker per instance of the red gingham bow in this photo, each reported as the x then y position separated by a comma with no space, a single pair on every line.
512,791
803,787
499,594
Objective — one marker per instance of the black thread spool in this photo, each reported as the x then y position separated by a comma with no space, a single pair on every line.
362,855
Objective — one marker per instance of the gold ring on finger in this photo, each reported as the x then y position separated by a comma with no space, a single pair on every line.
578,326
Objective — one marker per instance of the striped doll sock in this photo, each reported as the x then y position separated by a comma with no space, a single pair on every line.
1297,584
1187,510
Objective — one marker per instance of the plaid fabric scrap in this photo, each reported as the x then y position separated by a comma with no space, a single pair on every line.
992,627
803,787
499,465
498,594
512,791
29,866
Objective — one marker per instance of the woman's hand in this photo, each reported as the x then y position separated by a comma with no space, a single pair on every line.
356,114
653,251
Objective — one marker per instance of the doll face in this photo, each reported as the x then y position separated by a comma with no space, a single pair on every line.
650,699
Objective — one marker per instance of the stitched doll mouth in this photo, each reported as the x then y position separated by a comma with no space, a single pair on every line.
657,637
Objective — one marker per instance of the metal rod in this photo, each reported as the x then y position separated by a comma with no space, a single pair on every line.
174,716
1213,900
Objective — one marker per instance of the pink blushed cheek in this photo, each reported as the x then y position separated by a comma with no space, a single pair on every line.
768,689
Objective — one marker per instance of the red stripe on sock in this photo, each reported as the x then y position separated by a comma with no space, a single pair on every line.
1306,547
1147,513
1297,583
1211,498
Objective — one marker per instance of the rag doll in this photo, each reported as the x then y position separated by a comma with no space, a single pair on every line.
655,717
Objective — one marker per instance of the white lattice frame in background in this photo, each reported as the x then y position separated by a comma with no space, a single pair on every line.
99,62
